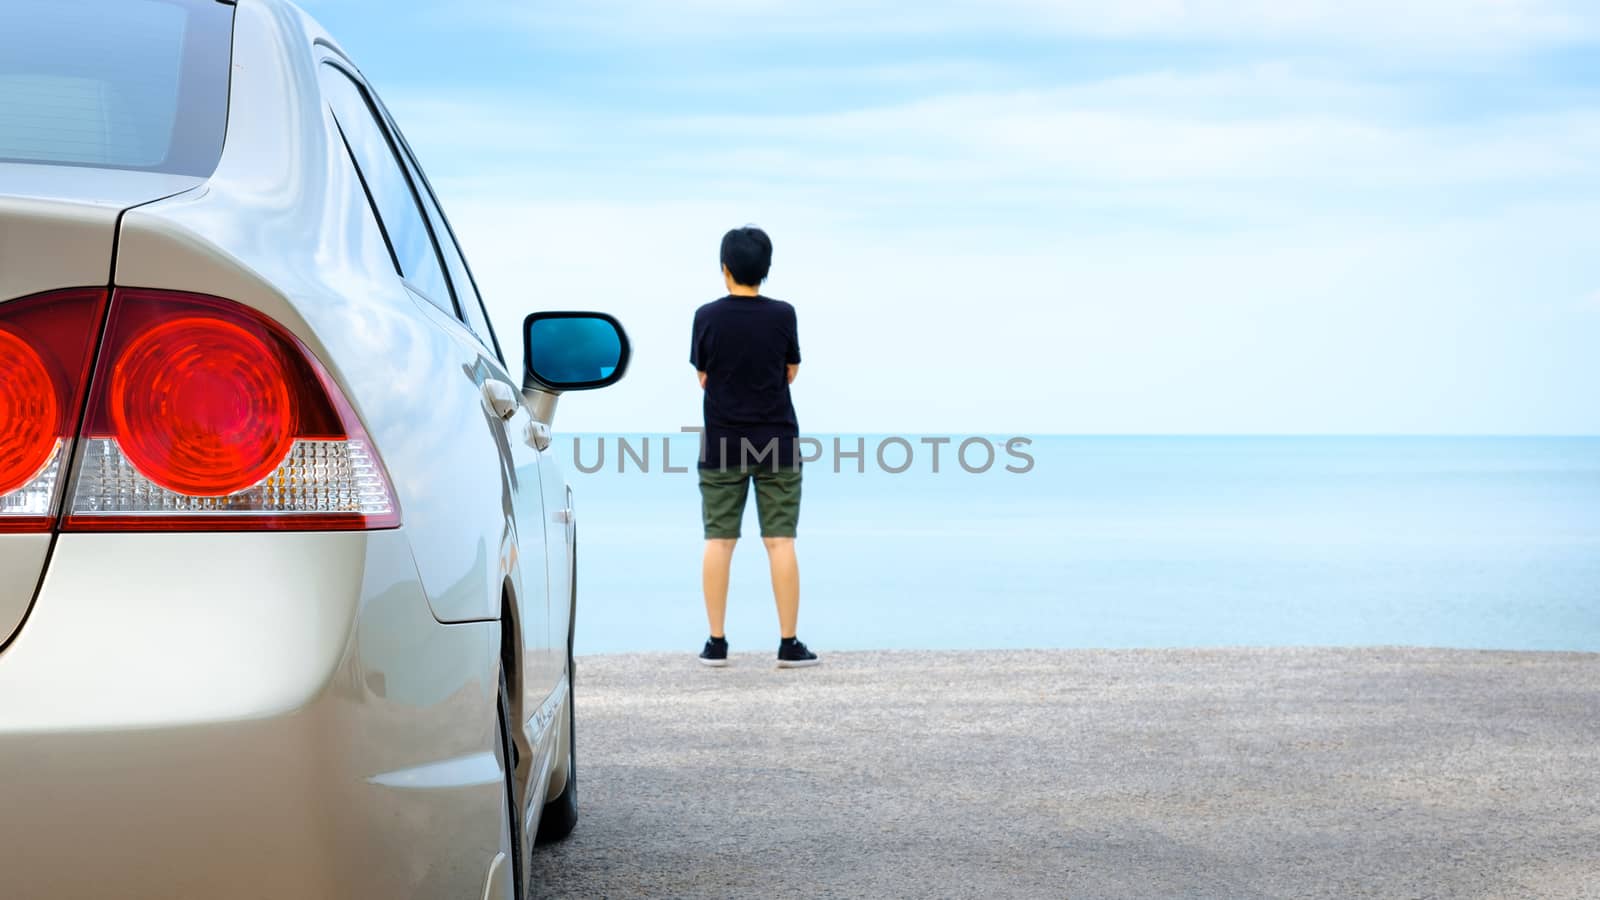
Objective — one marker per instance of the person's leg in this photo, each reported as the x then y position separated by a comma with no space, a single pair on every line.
785,582
714,578
722,499
778,505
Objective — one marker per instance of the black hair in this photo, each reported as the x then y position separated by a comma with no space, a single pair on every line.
747,252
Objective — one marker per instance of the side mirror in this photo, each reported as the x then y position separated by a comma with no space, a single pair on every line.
573,351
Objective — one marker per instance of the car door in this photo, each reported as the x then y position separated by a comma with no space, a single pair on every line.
469,481
544,543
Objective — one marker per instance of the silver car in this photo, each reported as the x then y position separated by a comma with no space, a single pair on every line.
286,566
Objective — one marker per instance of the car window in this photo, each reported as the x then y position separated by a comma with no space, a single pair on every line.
119,84
392,195
466,289
467,295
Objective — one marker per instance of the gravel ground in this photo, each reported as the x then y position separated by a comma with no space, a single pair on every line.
1195,773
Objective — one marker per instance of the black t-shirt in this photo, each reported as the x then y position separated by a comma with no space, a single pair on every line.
745,346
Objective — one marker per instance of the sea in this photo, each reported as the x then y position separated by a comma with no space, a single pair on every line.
1038,541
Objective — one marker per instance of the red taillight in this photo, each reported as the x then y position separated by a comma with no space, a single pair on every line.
201,406
30,413
45,344
205,415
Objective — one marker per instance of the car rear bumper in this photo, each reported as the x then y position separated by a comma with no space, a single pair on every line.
245,715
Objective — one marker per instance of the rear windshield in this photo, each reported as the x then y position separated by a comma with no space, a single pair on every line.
121,84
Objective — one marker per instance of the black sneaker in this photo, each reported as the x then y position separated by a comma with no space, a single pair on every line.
716,653
793,655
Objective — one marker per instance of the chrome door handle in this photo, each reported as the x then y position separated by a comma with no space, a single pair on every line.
500,398
566,516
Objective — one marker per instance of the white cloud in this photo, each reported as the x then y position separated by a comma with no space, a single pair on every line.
1257,124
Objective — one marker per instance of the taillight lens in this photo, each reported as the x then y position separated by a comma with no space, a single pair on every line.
201,406
205,415
30,411
45,344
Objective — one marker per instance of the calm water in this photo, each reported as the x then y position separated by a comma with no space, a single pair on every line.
1127,542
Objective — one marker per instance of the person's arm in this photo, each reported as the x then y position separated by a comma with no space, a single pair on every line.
703,379
794,370
792,352
696,353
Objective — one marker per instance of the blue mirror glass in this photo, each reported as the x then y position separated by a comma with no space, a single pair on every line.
571,351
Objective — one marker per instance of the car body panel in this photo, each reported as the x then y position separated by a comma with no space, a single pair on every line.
22,558
298,684
264,618
560,533
108,190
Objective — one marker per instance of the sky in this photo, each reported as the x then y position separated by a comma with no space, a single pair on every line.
1039,216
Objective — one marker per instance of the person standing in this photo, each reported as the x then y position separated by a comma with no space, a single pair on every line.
746,351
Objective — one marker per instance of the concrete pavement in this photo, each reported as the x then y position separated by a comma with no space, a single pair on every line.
1193,773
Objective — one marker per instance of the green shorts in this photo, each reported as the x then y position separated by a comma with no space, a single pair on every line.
723,492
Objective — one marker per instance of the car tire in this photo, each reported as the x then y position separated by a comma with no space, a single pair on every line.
508,760
560,815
